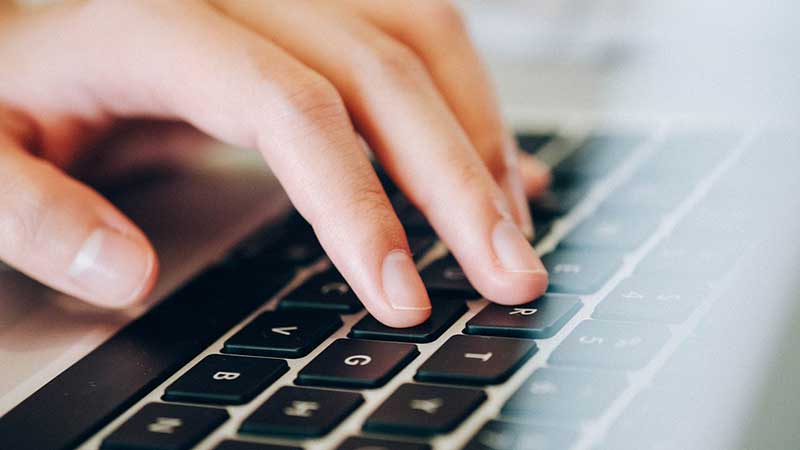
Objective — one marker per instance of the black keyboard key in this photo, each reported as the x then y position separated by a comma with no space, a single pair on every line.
645,194
165,427
599,155
290,246
556,202
532,142
285,334
692,260
357,363
444,278
690,155
564,396
412,218
239,445
539,319
325,291
652,298
616,230
420,244
580,271
477,360
301,412
225,380
541,228
361,443
496,435
443,314
725,220
423,410
415,222
610,345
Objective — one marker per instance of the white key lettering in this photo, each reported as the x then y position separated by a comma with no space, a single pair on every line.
430,406
165,425
226,375
358,360
300,408
482,356
523,311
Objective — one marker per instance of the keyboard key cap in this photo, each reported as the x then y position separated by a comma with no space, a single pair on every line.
556,202
327,291
651,298
580,271
415,222
444,278
239,445
420,244
285,334
424,410
608,229
564,396
532,142
539,319
496,435
599,155
301,412
443,315
292,245
610,345
672,419
165,427
360,443
412,218
225,380
683,257
357,363
477,360
541,228
643,193
690,155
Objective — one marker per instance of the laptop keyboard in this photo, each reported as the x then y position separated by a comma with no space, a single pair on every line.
624,208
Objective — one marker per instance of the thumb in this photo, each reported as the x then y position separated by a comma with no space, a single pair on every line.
64,234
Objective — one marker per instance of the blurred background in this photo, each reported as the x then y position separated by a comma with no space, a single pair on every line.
737,58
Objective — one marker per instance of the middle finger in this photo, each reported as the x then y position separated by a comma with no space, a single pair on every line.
398,109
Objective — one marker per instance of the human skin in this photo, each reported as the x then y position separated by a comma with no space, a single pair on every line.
303,83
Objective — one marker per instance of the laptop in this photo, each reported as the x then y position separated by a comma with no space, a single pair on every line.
669,232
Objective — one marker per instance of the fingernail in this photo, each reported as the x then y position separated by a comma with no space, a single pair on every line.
402,284
513,251
112,268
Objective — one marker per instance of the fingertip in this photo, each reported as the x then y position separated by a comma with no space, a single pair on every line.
518,288
403,318
402,284
149,278
114,270
515,274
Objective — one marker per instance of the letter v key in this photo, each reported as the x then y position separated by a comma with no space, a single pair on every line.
286,331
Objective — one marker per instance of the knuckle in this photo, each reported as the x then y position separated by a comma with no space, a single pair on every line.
444,15
370,206
371,203
315,99
24,221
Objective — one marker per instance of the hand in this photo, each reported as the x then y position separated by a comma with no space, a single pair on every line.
299,81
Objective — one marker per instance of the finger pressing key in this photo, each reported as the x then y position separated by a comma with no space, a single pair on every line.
416,137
